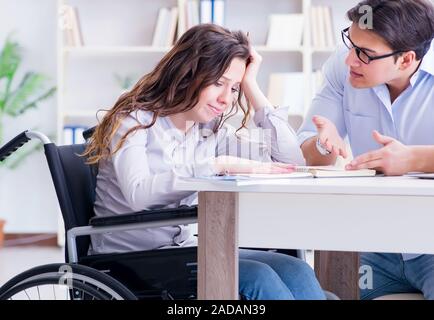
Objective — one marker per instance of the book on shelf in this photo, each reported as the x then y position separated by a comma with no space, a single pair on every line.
70,26
285,31
322,27
218,12
182,18
212,11
192,13
287,90
328,23
314,26
162,19
205,11
165,27
173,21
73,134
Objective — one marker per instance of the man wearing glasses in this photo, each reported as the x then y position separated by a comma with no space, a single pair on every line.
379,92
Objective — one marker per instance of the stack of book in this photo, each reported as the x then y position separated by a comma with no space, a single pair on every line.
73,134
69,24
212,11
173,22
165,28
323,35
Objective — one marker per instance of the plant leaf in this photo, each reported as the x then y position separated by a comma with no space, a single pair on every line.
34,103
9,59
20,99
3,88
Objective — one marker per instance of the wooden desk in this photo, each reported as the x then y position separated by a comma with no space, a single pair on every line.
378,214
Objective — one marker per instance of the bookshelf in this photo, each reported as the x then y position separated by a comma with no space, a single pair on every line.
116,39
117,36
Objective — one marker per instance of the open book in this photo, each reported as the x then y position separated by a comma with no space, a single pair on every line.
334,172
301,172
421,175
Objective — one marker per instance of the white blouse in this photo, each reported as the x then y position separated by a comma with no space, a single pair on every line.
140,175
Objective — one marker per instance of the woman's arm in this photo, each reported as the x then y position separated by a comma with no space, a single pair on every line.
136,177
282,138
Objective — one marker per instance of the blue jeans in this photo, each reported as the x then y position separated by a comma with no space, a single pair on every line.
392,274
265,275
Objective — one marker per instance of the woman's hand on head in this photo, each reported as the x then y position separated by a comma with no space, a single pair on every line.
252,67
250,86
235,165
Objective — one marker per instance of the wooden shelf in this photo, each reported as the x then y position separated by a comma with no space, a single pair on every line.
300,58
272,49
98,50
81,113
324,50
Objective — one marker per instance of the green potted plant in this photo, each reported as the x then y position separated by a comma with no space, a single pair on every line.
17,96
30,90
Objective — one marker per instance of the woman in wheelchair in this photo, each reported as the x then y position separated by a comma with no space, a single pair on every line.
172,124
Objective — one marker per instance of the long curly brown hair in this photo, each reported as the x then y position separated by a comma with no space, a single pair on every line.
197,60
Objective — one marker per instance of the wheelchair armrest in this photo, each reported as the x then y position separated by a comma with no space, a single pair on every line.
145,216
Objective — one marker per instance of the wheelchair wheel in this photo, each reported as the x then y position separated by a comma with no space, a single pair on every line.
62,281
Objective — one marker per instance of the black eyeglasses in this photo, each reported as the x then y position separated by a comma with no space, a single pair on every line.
361,54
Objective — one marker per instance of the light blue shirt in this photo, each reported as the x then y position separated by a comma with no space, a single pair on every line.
357,112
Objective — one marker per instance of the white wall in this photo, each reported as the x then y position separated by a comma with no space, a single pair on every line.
27,197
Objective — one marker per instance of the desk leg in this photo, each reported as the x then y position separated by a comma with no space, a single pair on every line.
218,246
338,272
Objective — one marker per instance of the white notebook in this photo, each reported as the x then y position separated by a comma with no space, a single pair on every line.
306,172
335,172
421,175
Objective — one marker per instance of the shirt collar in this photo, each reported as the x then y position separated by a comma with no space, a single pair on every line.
177,134
427,65
428,61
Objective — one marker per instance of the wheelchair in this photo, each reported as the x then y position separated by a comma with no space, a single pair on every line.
156,274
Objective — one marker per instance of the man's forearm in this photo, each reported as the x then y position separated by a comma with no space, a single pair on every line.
423,158
312,155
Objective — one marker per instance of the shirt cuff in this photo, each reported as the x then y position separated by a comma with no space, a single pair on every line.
205,169
304,135
261,115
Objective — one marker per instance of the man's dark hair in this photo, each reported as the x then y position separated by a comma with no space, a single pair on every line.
405,25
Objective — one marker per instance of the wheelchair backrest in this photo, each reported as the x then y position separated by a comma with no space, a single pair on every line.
74,182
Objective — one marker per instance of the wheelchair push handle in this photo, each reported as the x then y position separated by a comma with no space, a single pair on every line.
21,139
